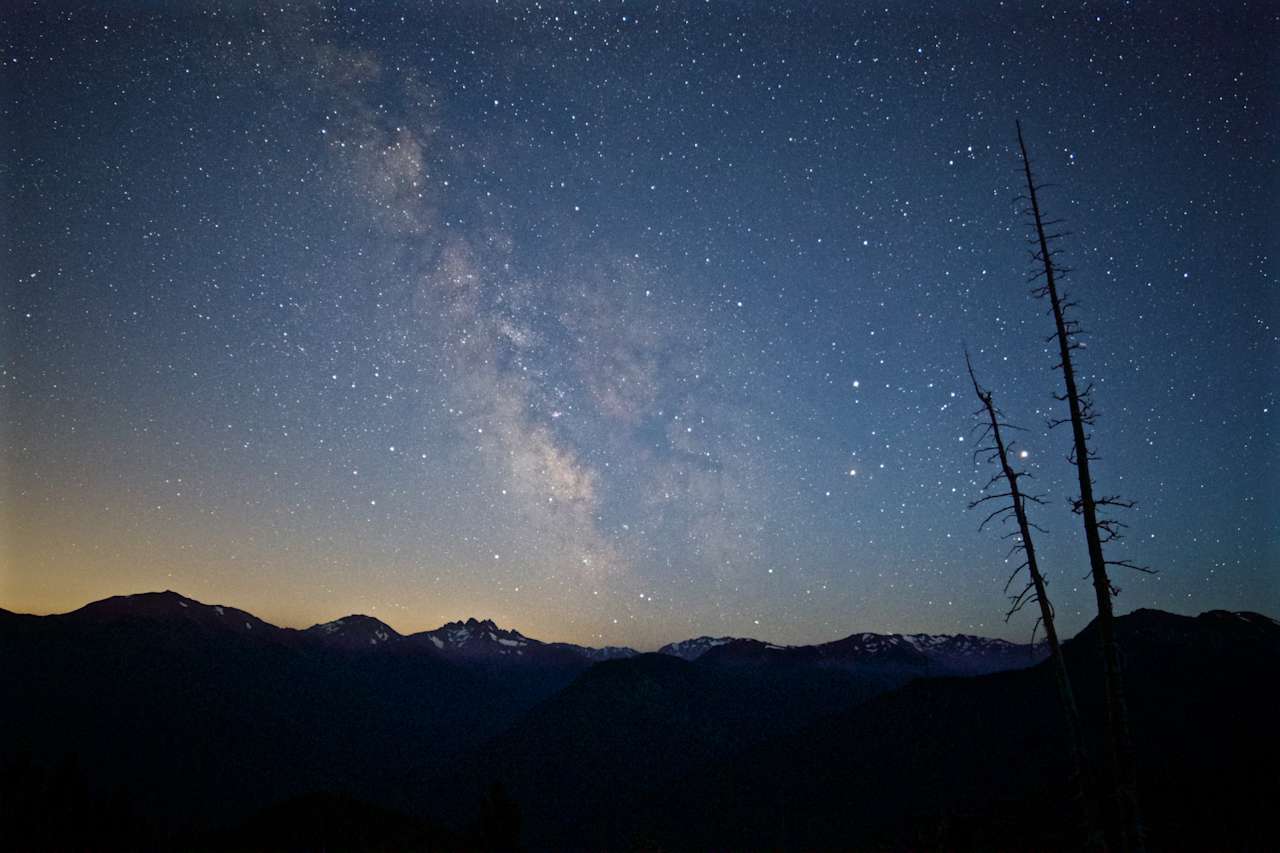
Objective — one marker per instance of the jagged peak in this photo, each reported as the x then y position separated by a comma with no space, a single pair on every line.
473,624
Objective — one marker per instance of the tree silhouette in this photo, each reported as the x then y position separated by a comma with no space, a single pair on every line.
992,445
1098,530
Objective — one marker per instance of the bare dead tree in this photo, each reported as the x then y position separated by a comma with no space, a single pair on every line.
1006,486
1097,530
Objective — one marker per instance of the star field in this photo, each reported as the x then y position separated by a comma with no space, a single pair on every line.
627,322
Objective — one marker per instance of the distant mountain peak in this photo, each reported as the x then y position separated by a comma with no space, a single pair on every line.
479,638
164,597
170,606
958,642
865,650
472,624
356,630
694,648
596,654
483,639
142,603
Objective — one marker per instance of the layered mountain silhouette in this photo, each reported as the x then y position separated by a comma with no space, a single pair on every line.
912,655
211,728
980,763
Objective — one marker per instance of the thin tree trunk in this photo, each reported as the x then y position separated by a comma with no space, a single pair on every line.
1095,840
1119,742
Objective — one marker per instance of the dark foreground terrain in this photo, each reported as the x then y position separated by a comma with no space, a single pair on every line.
158,722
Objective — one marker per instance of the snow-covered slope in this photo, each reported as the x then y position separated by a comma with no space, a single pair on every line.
946,654
965,654
694,648
478,638
481,639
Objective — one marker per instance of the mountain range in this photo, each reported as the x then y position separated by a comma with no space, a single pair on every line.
482,640
220,731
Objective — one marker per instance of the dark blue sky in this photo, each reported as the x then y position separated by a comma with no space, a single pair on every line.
627,322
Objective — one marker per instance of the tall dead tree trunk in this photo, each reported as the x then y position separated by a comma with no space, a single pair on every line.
1034,592
1097,531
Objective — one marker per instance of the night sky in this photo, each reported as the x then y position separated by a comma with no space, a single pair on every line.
628,322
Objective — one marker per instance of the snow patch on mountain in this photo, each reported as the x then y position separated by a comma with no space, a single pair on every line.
695,648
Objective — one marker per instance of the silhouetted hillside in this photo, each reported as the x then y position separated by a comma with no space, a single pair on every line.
204,713
141,722
978,763
627,727
316,822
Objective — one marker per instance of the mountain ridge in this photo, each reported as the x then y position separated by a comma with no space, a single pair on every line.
238,714
484,638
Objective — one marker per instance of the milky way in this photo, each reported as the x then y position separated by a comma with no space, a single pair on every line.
631,322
